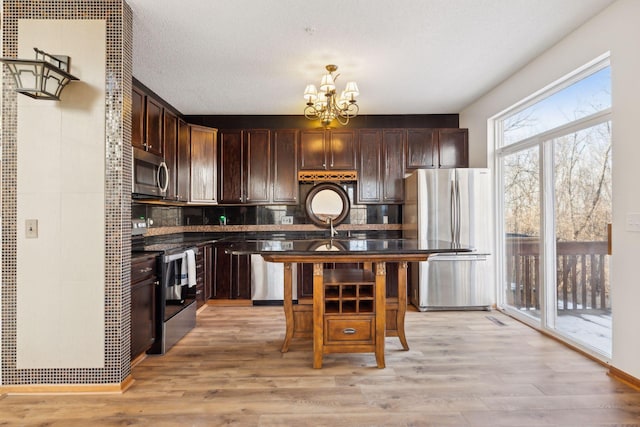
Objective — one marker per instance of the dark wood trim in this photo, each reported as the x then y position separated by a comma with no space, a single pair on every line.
300,122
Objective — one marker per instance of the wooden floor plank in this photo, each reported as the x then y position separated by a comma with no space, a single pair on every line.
462,369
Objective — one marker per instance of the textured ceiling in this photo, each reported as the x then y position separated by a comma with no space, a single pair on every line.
407,56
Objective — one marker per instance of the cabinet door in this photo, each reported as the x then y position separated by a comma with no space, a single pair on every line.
137,118
453,148
257,162
241,283
312,150
342,150
183,162
285,170
203,164
209,270
369,167
231,174
421,148
142,316
393,165
221,288
170,149
232,279
153,126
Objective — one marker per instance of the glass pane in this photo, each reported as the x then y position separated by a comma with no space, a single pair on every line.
522,230
582,174
581,99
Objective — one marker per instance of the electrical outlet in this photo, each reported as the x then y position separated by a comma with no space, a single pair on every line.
287,220
31,228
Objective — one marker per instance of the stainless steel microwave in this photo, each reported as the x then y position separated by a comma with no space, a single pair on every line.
150,175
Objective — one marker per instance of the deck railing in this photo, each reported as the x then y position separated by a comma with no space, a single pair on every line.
581,274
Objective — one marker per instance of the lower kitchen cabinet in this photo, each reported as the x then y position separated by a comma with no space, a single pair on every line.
232,275
144,280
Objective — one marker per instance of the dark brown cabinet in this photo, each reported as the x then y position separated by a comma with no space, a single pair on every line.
245,166
437,148
183,162
170,139
153,126
285,166
146,122
453,148
393,170
143,283
380,166
202,275
203,164
232,275
327,150
137,118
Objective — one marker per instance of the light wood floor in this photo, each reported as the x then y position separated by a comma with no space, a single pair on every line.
463,369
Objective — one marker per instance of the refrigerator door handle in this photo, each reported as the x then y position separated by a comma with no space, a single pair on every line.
457,212
452,219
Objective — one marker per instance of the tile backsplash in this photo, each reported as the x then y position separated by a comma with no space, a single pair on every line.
170,216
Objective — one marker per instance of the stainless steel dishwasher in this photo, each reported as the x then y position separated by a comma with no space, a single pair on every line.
267,281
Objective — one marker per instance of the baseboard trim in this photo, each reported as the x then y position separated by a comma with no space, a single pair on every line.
68,388
622,376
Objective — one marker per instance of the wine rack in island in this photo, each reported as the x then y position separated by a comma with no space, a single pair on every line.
348,312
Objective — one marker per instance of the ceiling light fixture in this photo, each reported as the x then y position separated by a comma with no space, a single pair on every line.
40,78
323,105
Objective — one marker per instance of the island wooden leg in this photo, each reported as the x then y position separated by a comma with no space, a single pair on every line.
288,306
402,303
318,314
381,311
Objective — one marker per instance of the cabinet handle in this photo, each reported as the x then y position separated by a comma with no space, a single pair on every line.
146,270
349,331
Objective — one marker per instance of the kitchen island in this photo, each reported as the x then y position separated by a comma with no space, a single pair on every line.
349,305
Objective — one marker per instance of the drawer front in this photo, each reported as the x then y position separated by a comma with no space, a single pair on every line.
352,330
143,269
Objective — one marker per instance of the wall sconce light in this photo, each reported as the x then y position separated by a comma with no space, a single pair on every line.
40,78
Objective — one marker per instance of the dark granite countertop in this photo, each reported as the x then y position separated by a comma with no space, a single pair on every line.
345,246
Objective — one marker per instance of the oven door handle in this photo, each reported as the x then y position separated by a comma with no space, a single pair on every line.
170,258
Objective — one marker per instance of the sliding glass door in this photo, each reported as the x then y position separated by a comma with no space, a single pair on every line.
553,163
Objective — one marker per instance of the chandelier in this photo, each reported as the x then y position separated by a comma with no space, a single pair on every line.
325,106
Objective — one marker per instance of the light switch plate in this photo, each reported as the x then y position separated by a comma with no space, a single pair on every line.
633,222
287,220
31,228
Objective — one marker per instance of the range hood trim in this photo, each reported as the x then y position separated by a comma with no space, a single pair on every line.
328,176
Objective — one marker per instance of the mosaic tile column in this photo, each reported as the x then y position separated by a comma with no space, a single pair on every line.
119,40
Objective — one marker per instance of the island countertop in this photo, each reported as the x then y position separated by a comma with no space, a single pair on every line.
342,246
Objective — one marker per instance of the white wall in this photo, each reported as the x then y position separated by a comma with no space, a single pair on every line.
616,29
61,176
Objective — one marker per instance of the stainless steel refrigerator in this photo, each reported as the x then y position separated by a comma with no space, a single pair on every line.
452,205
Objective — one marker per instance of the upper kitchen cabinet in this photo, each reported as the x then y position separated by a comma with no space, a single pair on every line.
380,166
327,150
453,148
245,166
203,164
437,148
285,170
170,149
137,118
183,162
146,122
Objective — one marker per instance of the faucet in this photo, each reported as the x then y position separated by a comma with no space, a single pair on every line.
334,232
